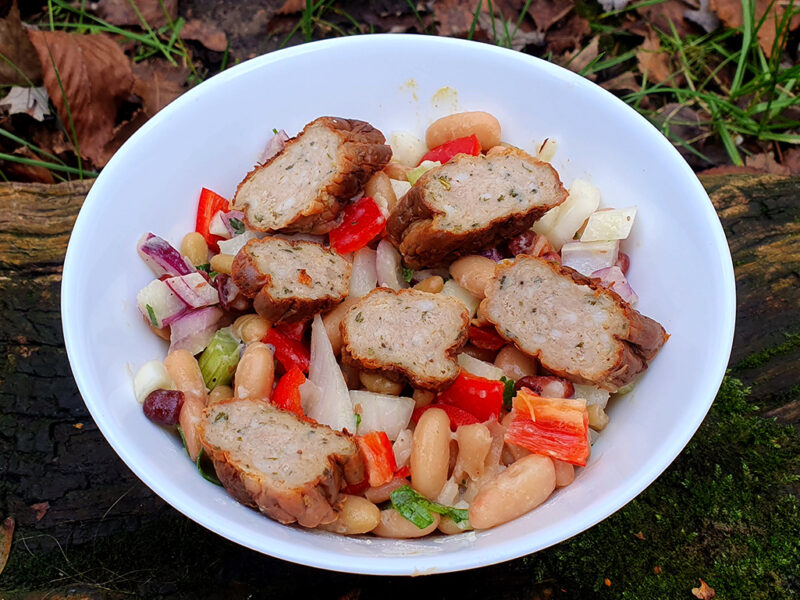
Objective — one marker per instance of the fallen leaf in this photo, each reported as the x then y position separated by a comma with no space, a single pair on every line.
730,170
31,174
607,582
17,49
731,15
52,140
547,13
569,36
40,508
120,12
6,533
78,425
96,77
205,32
666,15
158,83
766,163
31,101
653,61
577,60
291,7
657,570
791,158
639,536
704,592
703,16
609,5
453,17
121,133
624,81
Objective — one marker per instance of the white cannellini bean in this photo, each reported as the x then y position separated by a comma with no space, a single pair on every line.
515,363
474,442
430,453
395,525
519,489
482,124
565,473
255,373
357,515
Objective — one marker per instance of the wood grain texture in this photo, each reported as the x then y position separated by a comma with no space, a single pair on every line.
51,452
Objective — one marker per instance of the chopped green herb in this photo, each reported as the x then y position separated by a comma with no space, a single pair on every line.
275,131
417,508
237,225
202,466
359,318
205,267
508,392
221,417
152,314
445,182
579,345
424,315
408,274
290,167
358,420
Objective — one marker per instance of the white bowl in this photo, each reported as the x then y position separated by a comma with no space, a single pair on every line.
212,135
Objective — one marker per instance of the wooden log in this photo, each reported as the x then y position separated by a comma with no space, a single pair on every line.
66,487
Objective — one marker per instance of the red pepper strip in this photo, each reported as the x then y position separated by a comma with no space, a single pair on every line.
458,416
356,489
443,153
290,353
378,457
403,472
286,394
482,398
555,427
362,221
295,331
210,204
485,338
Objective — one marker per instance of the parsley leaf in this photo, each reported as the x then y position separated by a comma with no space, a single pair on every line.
417,508
152,314
358,420
408,274
205,267
206,470
509,392
237,225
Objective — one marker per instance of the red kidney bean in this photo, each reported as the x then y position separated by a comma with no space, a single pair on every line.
493,253
522,243
163,406
547,386
623,262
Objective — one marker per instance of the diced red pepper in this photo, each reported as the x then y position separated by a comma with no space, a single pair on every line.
362,221
378,456
485,338
458,416
286,394
555,427
295,331
402,472
356,489
290,353
465,145
482,398
210,204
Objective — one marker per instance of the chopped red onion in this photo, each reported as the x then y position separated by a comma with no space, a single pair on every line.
623,262
387,265
613,278
234,222
230,296
274,146
159,304
217,226
193,330
193,290
161,257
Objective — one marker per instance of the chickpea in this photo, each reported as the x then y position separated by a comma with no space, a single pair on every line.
379,384
222,263
515,363
194,248
251,328
483,125
432,284
423,397
357,515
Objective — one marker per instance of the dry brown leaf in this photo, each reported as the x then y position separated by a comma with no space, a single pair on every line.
570,36
639,536
158,83
29,173
766,163
40,509
453,17
665,15
791,158
6,533
205,32
624,81
16,47
121,133
97,78
704,592
730,13
578,60
120,12
653,61
547,13
290,7
657,570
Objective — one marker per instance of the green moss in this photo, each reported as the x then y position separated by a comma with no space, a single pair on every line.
759,359
724,511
